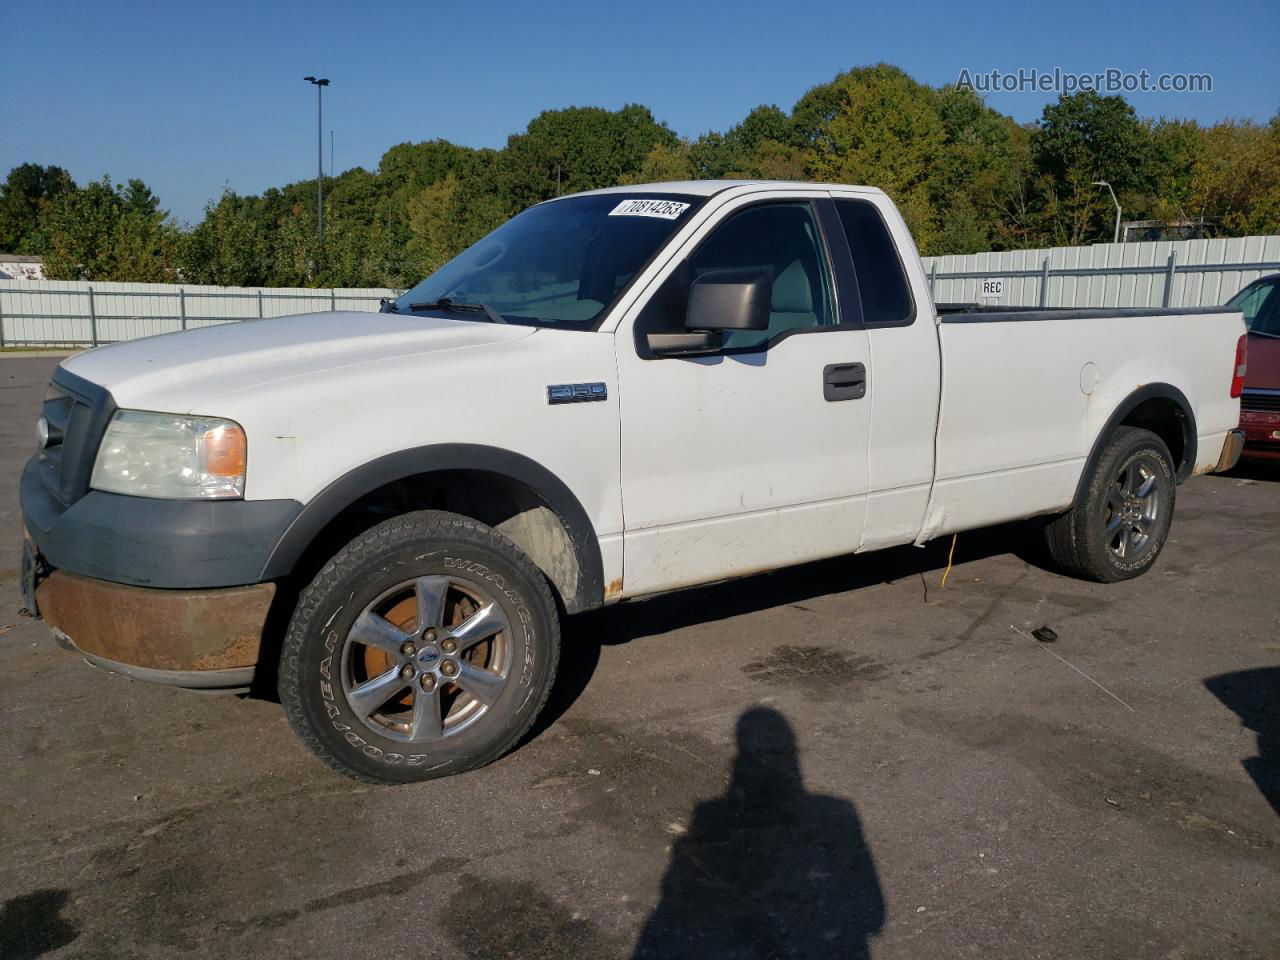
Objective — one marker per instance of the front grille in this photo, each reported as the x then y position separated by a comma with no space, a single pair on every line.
1260,402
77,412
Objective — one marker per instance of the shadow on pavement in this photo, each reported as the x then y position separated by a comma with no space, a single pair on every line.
1254,696
31,925
585,634
768,869
1268,471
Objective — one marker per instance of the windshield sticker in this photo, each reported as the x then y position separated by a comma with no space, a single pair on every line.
665,209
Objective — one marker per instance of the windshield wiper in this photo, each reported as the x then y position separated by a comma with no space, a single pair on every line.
1264,333
444,303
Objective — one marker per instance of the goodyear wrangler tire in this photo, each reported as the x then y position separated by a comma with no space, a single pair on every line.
426,647
1119,526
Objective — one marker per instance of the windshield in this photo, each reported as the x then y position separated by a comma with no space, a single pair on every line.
561,263
1260,304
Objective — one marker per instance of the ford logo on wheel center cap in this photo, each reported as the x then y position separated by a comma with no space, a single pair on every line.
428,656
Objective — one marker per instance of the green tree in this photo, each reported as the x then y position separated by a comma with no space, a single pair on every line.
417,165
1176,147
877,126
446,218
578,148
357,249
27,197
1235,181
81,228
976,175
291,255
229,246
110,232
664,163
745,151
143,248
1083,138
136,197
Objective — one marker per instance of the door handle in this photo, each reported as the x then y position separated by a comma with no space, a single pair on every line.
844,381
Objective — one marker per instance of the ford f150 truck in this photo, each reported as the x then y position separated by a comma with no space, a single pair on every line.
615,393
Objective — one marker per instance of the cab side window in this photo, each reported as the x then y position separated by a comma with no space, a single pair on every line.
886,299
782,240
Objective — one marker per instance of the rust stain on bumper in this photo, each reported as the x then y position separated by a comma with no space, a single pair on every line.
158,629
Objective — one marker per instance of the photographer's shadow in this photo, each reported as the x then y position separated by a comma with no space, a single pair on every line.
1254,696
767,870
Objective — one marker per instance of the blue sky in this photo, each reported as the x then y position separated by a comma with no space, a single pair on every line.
190,97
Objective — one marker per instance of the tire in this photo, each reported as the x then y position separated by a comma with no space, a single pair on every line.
1121,522
426,647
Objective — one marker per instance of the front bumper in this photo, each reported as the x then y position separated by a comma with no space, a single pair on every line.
179,544
169,591
174,591
202,639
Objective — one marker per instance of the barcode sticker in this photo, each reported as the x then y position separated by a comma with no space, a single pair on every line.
665,209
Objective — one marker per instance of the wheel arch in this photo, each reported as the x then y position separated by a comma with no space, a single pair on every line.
1159,407
507,490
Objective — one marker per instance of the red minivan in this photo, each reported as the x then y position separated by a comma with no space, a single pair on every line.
1260,402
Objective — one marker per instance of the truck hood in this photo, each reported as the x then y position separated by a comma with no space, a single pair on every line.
176,371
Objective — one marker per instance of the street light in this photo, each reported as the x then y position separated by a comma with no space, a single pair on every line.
1102,183
320,84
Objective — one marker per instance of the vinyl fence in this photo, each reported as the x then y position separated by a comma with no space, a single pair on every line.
73,313
1177,273
1181,273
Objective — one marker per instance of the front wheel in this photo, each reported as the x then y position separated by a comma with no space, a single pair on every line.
426,647
1119,526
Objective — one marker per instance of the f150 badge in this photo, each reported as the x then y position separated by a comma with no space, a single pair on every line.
576,392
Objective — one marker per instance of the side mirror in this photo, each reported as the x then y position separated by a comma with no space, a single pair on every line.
733,299
687,343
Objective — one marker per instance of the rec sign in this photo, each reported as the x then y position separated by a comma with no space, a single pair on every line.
993,287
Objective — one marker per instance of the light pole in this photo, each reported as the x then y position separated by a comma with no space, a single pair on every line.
1103,183
320,83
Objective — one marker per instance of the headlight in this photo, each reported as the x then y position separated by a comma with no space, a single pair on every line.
170,456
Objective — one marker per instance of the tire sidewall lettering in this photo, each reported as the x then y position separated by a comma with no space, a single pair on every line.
522,611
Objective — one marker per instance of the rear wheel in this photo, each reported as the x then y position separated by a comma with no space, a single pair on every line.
426,647
1121,523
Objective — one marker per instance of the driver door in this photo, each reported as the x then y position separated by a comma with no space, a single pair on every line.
754,457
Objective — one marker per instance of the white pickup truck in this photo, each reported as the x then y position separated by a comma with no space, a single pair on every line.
615,393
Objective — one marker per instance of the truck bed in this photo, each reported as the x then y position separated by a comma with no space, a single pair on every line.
1026,393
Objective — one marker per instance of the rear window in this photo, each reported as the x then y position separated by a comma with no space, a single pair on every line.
1260,304
882,285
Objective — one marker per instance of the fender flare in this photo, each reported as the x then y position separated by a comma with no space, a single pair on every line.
437,458
1151,391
